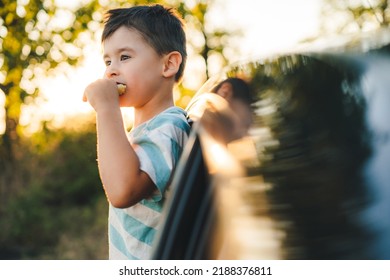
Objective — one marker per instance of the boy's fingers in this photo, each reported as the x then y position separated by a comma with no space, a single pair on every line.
84,98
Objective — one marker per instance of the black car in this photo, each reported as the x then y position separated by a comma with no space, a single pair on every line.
310,180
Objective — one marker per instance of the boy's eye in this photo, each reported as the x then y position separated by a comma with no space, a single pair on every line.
107,62
124,57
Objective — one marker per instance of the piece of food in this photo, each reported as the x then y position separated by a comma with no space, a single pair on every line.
121,88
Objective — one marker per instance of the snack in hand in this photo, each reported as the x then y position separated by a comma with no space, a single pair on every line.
121,88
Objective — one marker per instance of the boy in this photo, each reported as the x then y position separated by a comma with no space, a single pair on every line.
145,50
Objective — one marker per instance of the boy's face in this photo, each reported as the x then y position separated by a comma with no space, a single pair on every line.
131,61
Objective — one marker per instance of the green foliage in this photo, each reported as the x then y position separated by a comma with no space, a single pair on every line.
352,16
35,37
59,198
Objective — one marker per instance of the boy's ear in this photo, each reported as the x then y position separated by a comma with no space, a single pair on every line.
172,63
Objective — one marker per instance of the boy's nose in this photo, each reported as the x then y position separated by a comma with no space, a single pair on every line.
111,71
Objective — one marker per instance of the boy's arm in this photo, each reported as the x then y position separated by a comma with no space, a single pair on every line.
124,183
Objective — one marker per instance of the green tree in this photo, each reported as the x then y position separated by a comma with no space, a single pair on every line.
62,212
213,41
209,43
35,38
354,15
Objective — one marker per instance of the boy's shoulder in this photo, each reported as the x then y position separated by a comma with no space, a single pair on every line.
172,118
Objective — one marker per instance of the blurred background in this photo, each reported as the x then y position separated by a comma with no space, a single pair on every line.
52,205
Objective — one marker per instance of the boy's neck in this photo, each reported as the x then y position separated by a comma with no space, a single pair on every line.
146,112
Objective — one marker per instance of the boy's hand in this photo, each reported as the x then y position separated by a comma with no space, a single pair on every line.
102,93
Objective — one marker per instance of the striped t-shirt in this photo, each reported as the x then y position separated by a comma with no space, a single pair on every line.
158,144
